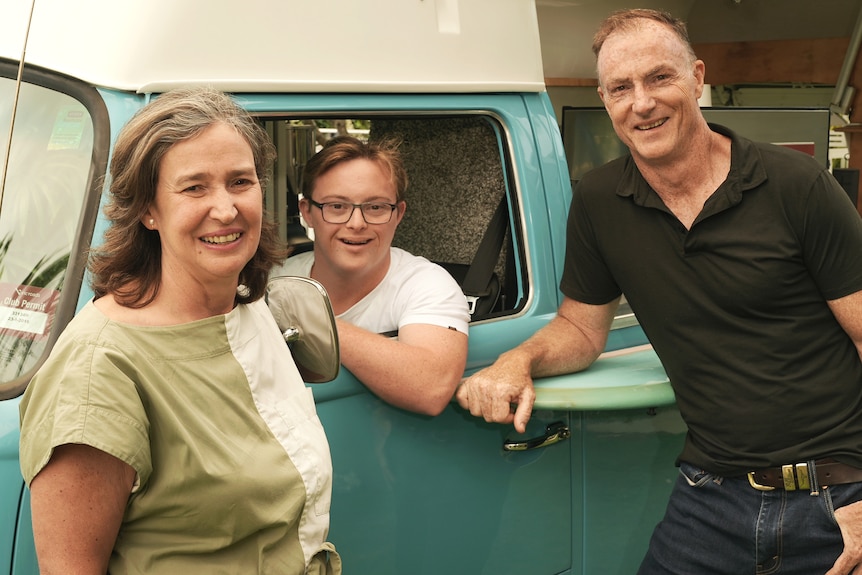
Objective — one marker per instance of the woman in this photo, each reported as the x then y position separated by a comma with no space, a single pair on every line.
169,431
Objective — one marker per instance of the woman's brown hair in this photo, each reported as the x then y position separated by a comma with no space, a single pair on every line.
128,263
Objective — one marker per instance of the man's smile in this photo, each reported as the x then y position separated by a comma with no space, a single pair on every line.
354,242
655,124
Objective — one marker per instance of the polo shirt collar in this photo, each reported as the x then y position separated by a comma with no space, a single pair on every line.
746,172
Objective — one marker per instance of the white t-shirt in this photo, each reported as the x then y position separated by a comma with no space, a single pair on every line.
414,290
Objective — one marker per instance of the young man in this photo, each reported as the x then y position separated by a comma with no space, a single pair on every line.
743,263
353,199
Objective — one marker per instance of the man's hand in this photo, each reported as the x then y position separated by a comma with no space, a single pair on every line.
568,343
492,392
849,520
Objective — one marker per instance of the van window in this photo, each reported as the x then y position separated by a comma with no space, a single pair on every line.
45,184
459,175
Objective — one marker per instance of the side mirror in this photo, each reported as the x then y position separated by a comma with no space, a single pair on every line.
303,312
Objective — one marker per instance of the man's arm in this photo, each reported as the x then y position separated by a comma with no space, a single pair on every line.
418,371
77,502
570,342
848,311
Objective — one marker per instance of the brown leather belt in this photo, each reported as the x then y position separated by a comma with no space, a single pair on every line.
796,476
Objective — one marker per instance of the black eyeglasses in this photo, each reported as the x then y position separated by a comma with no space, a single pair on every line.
341,212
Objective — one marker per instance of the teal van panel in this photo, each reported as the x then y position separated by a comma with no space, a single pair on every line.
626,379
17,552
24,560
628,473
422,495
10,479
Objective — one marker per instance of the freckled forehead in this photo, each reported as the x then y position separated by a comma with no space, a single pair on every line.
639,49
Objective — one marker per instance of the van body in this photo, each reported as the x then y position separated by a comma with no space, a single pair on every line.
461,83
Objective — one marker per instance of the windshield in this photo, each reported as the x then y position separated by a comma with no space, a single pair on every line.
43,197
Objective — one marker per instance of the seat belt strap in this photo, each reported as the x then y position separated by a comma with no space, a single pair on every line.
482,267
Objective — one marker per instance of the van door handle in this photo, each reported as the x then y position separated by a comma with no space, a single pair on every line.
554,433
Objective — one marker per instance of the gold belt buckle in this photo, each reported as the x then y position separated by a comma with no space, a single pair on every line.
757,485
802,479
794,477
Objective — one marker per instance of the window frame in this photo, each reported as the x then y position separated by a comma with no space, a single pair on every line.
67,304
520,285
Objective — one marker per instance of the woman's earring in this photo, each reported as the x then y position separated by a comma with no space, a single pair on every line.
152,223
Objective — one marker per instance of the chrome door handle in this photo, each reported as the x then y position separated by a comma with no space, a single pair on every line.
554,433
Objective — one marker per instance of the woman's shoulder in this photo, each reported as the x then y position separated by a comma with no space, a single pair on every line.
85,325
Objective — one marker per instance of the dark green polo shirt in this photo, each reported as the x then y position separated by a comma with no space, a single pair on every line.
736,307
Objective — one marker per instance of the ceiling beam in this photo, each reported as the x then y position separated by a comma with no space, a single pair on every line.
808,61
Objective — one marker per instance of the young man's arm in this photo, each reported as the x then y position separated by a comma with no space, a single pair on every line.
418,371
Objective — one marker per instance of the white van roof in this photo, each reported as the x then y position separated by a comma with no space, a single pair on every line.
283,45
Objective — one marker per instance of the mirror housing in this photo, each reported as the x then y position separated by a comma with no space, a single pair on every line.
303,312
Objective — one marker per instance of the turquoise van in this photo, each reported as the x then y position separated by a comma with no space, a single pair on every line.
461,82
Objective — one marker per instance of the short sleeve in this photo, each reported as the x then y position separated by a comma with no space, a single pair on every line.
832,239
84,394
433,297
586,278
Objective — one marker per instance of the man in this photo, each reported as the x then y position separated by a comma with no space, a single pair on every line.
743,263
353,199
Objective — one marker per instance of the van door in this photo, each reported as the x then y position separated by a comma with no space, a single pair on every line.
429,495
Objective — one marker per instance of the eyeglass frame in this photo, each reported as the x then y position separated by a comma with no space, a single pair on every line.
353,209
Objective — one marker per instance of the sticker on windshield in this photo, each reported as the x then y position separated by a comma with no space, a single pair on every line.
68,128
26,311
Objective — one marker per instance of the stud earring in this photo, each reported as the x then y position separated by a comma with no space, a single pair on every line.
152,222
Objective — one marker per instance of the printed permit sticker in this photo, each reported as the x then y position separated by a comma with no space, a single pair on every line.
27,311
68,128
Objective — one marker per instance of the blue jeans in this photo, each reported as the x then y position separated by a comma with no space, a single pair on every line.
721,525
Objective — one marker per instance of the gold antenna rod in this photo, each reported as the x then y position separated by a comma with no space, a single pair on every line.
15,104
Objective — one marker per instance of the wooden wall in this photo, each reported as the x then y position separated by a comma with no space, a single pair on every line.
811,61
